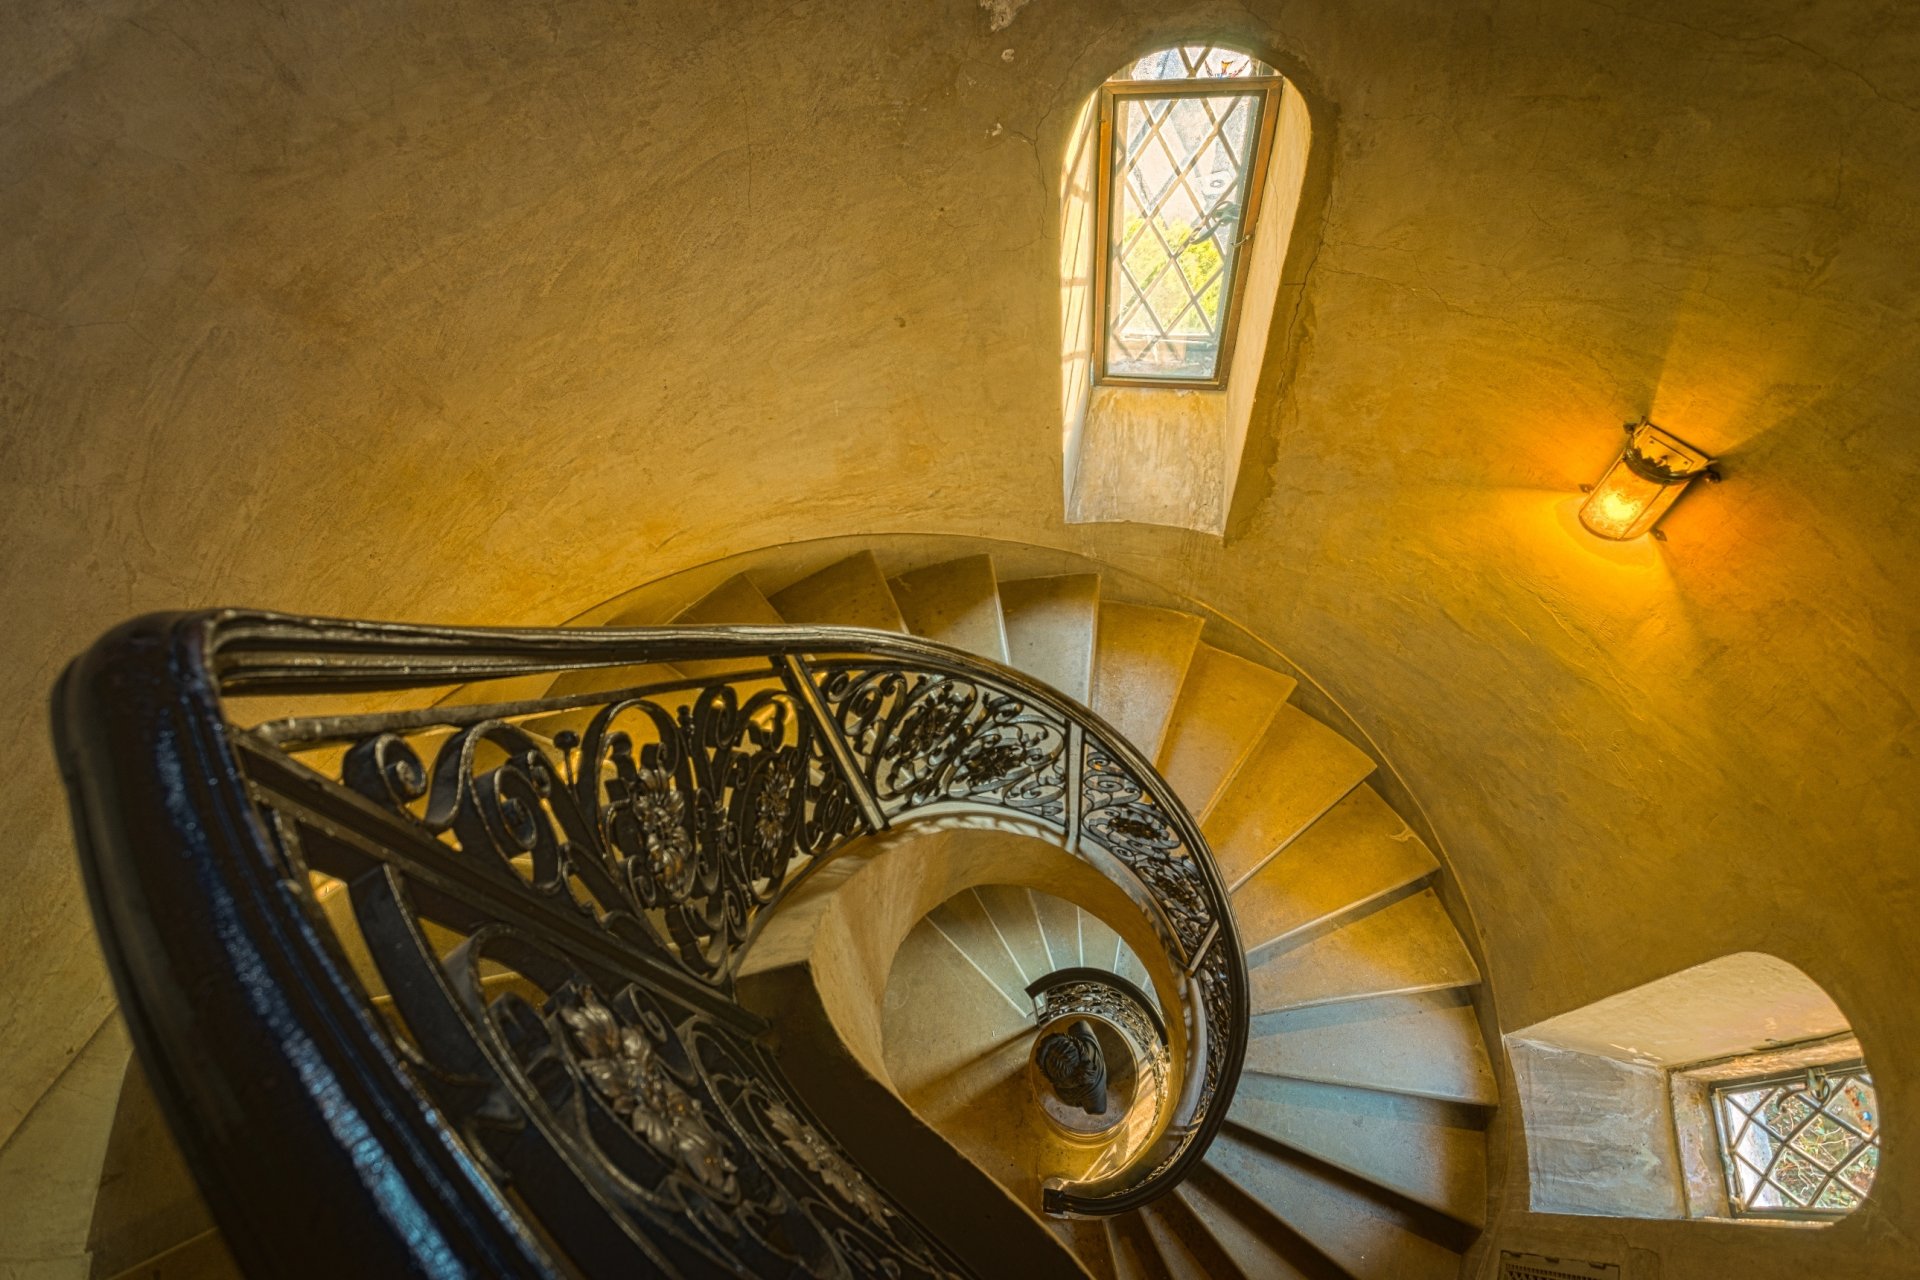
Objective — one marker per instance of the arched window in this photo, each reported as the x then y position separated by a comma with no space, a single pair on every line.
1182,181
1184,133
1734,1090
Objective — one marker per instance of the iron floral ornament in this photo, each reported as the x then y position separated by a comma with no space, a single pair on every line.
623,1068
649,818
827,1164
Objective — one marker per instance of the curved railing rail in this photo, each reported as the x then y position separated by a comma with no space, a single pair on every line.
1069,995
554,894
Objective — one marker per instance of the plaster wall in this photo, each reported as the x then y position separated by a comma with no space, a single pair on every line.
485,313
1170,455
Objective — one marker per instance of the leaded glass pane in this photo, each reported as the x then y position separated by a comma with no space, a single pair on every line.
1801,1145
1181,168
1860,1170
1195,62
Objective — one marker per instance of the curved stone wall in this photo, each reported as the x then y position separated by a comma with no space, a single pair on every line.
467,314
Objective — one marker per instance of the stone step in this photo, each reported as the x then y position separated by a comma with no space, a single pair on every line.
1367,1238
1359,852
1224,708
1134,1257
1087,1237
964,921
847,593
1060,929
1177,1258
1256,1247
603,679
1408,946
940,1014
148,1217
1299,770
734,603
1140,661
1052,624
1131,968
1426,1045
957,603
600,679
1177,1218
1099,944
1433,1153
1010,907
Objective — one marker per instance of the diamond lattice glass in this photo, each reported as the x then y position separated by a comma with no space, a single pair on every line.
1182,164
1804,1145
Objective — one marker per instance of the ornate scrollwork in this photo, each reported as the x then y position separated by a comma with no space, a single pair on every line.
672,821
824,1160
924,737
1062,1003
676,1123
624,1069
1124,818
1069,1000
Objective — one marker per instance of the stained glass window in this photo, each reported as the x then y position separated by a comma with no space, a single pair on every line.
1186,132
1805,1145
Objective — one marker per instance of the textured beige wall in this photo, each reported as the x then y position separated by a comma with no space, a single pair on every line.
486,312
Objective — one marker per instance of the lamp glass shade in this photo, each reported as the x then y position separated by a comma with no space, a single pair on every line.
1647,478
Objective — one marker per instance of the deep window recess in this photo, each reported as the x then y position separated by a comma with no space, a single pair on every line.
1184,134
1799,1145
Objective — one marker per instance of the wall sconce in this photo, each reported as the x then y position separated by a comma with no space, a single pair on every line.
1648,476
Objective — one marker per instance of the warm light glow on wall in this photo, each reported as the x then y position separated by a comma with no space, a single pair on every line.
1649,475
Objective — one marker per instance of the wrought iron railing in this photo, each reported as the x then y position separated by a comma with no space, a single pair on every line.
508,1036
1083,994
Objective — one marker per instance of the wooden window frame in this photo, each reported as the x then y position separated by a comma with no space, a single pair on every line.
1266,90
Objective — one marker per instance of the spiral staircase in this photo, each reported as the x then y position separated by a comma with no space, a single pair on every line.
1355,1141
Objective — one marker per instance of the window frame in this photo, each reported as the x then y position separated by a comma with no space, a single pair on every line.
1735,1207
1266,90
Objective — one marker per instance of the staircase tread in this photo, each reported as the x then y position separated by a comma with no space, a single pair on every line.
1141,656
1184,1222
1253,1255
1404,1144
1059,928
966,924
1359,851
1052,624
203,1257
929,972
1367,1239
1010,908
1177,1259
1410,945
1087,1238
1224,707
1099,944
1426,1045
1129,966
956,602
599,679
1299,769
852,592
1134,1256
735,602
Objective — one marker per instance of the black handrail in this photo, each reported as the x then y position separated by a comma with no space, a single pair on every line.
602,861
1042,989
